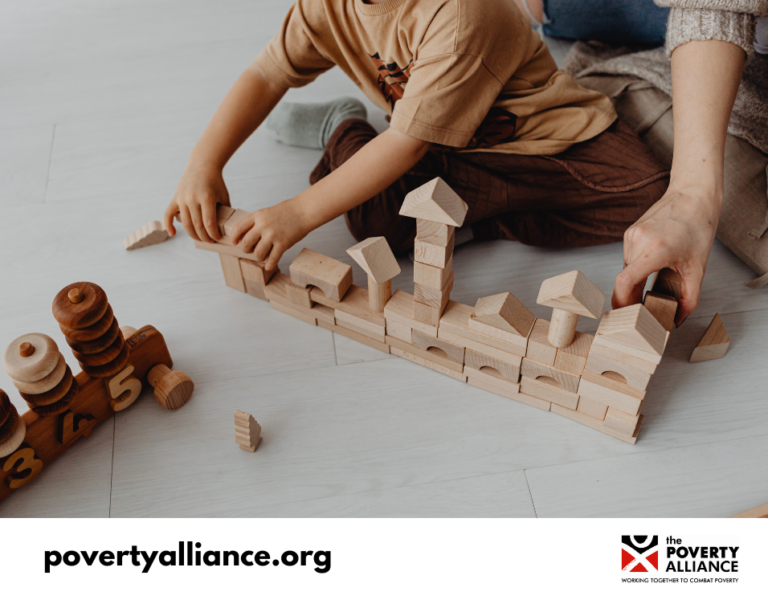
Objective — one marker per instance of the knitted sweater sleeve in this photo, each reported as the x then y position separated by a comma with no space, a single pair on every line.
727,20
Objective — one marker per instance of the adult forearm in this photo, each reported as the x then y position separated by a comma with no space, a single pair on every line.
705,79
372,169
244,108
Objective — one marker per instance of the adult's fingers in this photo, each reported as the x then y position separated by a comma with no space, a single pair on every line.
629,285
186,221
170,212
210,221
690,294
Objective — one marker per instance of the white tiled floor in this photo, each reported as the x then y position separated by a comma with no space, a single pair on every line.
99,108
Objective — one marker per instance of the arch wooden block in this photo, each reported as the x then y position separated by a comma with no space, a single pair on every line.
426,342
329,275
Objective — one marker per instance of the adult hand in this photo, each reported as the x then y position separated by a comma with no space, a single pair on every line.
676,232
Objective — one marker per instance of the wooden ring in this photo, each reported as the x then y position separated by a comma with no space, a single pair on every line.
57,407
102,358
46,383
17,439
6,431
36,366
5,407
110,369
53,395
99,344
83,314
88,334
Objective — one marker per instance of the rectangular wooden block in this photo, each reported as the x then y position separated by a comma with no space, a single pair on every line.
613,393
358,337
494,388
293,312
428,364
225,246
455,323
434,233
233,219
593,409
621,422
429,315
539,348
662,307
432,297
428,355
633,362
622,350
255,271
256,289
550,393
276,292
399,331
331,276
400,309
669,283
633,377
429,276
233,276
595,424
495,332
355,303
573,358
483,362
298,295
500,355
223,213
359,326
436,255
437,346
551,375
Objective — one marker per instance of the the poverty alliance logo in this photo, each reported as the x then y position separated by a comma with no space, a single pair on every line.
639,553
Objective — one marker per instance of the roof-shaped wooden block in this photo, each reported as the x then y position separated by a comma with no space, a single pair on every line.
435,201
375,257
713,344
634,327
504,311
572,292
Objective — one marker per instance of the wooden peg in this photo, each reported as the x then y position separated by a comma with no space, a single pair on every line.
172,388
379,294
569,295
75,296
26,350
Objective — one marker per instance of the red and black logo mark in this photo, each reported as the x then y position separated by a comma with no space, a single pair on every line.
639,553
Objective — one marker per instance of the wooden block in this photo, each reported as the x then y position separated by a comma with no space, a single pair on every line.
330,275
611,392
492,387
150,234
619,371
358,337
624,351
255,289
443,348
276,293
455,322
495,353
431,297
355,302
399,331
254,270
505,312
511,387
633,328
431,232
400,309
630,361
573,358
298,295
663,308
483,362
436,255
353,324
293,312
428,364
378,294
233,276
669,283
222,214
759,512
499,334
595,424
540,388
229,224
428,314
593,409
432,277
713,344
247,431
574,293
539,348
621,422
227,247
427,355
376,258
435,201
553,376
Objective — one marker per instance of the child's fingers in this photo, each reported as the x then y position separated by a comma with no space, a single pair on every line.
240,229
274,257
186,221
196,214
210,222
263,249
250,239
170,212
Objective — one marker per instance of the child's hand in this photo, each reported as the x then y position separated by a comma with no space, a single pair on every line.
271,231
198,193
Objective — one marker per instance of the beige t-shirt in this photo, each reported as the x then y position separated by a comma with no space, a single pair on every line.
469,74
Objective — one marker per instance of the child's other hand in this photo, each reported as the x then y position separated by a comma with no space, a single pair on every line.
201,188
271,231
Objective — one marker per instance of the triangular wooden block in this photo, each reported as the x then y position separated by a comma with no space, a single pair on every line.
375,257
634,327
435,201
713,344
572,292
152,233
504,311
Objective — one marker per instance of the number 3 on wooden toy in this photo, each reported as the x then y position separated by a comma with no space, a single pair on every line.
28,461
124,389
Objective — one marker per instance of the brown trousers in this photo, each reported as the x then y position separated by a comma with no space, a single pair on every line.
586,196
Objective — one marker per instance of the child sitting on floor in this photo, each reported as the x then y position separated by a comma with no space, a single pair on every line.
474,97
